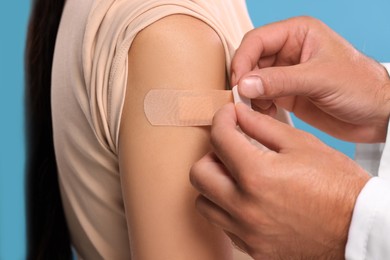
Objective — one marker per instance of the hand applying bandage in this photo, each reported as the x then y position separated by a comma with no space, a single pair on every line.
296,200
302,65
286,202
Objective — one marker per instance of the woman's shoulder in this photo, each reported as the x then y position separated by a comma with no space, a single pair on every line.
180,35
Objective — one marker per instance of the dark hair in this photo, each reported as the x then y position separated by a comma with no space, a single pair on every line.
47,232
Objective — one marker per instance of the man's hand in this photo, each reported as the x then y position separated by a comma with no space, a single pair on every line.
294,201
303,66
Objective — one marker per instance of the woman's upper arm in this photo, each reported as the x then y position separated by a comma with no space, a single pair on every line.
176,52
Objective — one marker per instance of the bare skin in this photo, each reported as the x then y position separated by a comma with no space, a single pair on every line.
296,200
155,161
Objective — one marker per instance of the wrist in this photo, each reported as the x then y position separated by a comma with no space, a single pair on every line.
384,105
355,186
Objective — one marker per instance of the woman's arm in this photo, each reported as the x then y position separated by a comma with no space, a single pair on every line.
177,52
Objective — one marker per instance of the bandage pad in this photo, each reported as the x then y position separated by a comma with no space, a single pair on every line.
175,107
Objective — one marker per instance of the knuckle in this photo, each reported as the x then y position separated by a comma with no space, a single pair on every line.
214,138
192,174
308,138
275,83
251,180
247,182
202,206
235,63
249,34
252,236
215,134
250,217
307,20
195,176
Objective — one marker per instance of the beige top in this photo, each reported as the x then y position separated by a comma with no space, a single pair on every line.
88,86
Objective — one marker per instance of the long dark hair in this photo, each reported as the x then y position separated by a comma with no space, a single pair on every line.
47,232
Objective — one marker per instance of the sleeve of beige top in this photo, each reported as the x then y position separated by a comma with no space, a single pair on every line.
177,52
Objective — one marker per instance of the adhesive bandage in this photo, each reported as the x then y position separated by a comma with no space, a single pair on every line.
174,107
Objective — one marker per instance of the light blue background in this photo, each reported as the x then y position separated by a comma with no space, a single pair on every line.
13,20
364,23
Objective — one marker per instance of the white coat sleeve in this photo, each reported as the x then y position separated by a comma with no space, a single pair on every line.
369,232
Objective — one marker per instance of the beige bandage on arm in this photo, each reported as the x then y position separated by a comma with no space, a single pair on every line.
176,107
173,107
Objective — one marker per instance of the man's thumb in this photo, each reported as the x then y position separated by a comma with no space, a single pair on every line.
274,82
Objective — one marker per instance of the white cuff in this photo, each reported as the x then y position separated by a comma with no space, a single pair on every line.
384,167
369,233
387,66
368,156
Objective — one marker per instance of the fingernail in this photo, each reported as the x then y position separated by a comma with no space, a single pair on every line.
251,87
